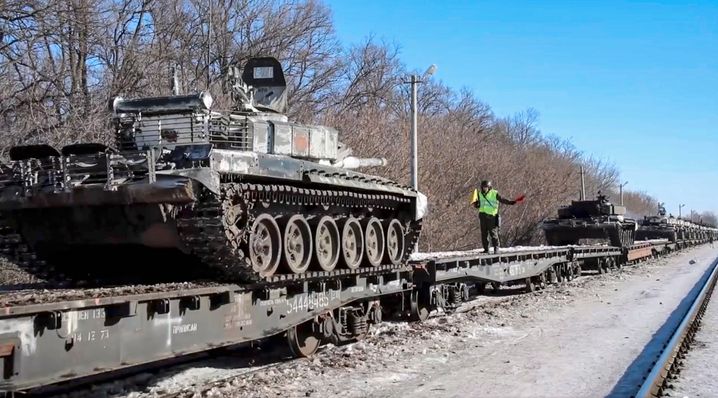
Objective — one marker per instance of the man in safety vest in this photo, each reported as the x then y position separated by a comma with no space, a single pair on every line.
487,201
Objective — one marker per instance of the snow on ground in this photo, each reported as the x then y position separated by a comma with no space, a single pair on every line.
577,339
698,376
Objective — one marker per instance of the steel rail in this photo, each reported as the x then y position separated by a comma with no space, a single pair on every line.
658,378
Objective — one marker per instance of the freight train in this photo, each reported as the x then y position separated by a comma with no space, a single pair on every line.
295,243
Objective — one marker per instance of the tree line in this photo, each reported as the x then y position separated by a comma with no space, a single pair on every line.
62,61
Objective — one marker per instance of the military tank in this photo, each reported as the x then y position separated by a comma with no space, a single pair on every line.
659,226
243,194
590,219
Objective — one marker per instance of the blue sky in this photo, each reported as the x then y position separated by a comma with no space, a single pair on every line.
634,83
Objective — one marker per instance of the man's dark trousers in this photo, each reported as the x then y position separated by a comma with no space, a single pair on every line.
489,228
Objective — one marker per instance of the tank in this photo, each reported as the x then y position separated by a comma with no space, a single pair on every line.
190,191
659,226
590,219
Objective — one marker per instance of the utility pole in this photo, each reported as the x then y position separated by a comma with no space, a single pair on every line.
415,80
583,185
679,210
174,80
620,189
209,41
414,146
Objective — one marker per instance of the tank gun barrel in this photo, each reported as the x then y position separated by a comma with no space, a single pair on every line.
353,162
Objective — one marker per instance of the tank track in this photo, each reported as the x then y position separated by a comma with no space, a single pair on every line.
621,237
216,228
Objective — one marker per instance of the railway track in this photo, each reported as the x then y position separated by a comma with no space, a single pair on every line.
668,365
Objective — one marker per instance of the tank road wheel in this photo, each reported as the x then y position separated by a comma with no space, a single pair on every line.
374,241
297,244
352,243
302,339
265,245
394,242
326,244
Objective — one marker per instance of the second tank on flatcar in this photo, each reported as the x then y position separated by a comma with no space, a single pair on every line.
590,219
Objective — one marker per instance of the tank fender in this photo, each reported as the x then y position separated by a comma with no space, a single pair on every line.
228,161
183,159
205,176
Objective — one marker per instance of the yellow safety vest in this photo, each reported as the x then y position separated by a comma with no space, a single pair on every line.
488,203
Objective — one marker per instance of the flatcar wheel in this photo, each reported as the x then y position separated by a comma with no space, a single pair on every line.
265,245
569,272
326,243
543,278
352,243
419,305
530,287
303,341
373,241
297,244
465,293
394,241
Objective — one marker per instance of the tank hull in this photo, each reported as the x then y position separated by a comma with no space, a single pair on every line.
657,233
571,233
205,213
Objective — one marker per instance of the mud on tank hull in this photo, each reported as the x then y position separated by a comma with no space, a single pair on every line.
571,232
237,216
